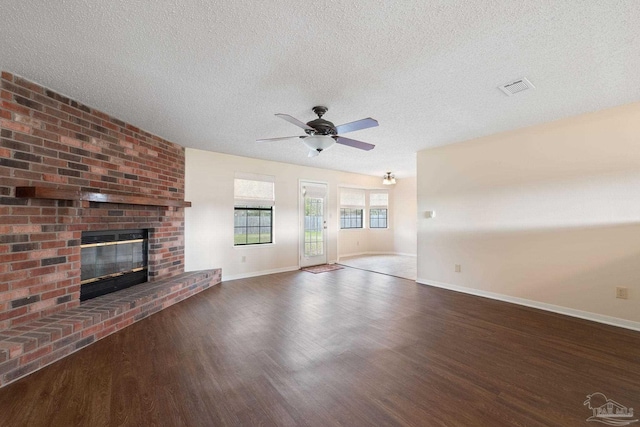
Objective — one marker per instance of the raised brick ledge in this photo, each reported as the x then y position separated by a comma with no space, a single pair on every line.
29,347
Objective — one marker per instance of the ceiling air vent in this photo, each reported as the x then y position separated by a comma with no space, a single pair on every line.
516,86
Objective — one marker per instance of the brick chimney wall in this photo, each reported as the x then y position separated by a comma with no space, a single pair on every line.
50,140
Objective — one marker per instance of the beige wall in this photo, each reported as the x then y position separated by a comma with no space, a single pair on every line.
209,222
548,214
404,218
366,240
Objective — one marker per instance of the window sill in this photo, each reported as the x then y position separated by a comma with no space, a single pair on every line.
257,245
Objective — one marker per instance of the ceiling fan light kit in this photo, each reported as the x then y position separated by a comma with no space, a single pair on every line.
321,134
318,143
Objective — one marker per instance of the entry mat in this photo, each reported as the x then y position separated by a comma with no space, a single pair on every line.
322,268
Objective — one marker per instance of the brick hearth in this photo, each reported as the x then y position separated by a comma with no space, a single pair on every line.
29,347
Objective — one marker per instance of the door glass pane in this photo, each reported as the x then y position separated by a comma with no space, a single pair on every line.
313,226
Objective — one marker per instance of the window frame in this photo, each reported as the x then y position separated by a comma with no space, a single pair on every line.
352,204
378,201
246,227
253,194
359,214
386,218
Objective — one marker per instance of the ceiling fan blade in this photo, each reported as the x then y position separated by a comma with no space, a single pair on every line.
357,125
313,153
353,143
294,121
278,139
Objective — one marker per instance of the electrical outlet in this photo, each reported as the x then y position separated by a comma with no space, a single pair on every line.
243,259
622,293
458,268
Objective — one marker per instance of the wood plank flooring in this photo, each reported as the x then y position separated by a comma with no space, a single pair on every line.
347,347
403,266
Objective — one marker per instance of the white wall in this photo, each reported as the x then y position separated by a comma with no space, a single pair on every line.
209,222
548,215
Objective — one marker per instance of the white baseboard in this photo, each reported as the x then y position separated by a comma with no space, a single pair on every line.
600,318
264,272
374,253
258,273
403,254
353,254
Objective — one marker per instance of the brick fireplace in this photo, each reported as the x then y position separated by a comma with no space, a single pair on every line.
66,168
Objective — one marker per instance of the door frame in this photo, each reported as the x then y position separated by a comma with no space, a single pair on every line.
301,184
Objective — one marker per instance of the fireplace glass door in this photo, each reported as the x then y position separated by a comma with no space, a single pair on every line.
112,260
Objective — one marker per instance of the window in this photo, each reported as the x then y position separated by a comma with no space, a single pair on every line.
254,197
352,202
350,218
377,218
378,209
252,225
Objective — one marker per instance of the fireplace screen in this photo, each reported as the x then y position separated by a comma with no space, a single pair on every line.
112,260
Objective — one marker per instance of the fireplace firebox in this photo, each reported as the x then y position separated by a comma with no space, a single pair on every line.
112,260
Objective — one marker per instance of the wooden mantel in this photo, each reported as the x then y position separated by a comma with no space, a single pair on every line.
86,196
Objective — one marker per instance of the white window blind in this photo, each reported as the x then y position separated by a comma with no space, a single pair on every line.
314,191
254,190
352,198
378,199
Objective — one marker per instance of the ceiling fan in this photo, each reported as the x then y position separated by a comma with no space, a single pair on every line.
322,134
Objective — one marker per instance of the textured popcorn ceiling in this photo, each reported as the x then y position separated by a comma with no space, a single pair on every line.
211,74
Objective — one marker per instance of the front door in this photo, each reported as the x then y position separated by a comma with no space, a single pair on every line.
313,227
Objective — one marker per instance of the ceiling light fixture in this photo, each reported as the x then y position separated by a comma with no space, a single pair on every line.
388,179
318,143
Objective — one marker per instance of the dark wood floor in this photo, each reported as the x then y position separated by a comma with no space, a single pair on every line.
347,347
